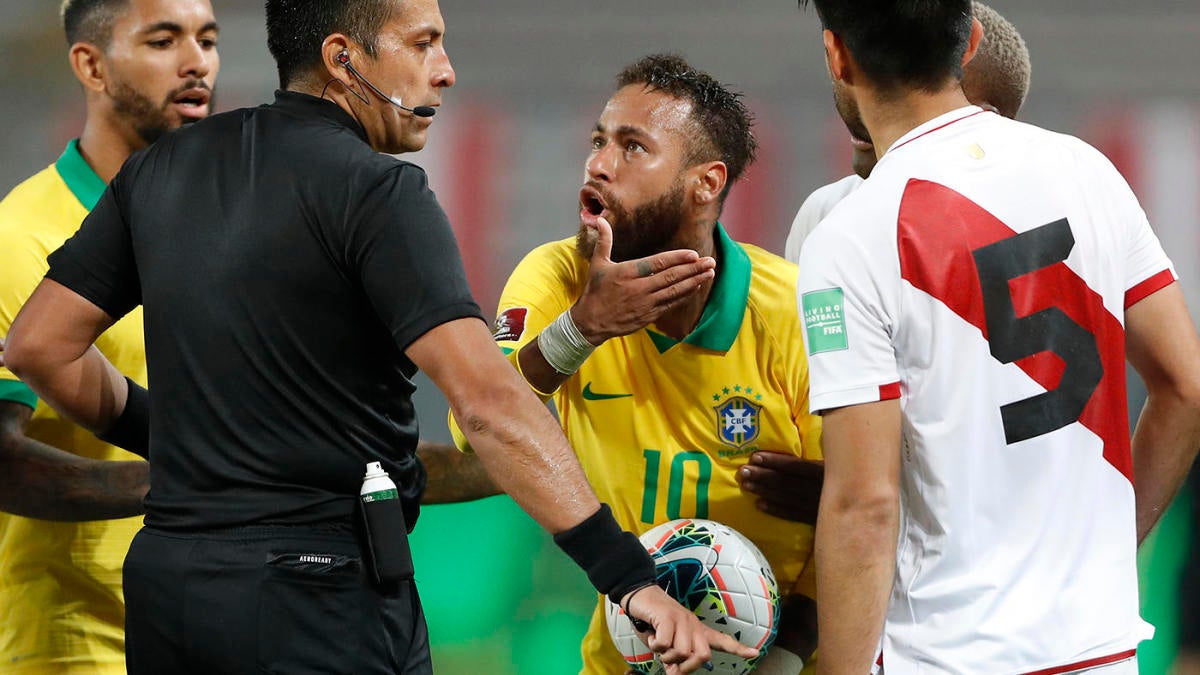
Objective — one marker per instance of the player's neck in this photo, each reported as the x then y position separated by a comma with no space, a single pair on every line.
105,146
889,118
678,322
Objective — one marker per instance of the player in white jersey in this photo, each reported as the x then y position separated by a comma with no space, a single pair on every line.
996,79
818,205
968,313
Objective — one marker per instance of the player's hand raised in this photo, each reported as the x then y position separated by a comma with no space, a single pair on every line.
624,297
681,642
789,487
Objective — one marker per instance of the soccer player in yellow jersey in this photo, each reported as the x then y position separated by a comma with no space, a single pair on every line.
146,66
671,351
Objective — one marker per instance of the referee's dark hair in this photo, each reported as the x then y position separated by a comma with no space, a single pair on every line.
91,21
723,123
902,43
296,29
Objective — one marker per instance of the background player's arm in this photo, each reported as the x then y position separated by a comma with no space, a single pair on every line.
788,486
453,476
619,299
44,482
1162,345
856,532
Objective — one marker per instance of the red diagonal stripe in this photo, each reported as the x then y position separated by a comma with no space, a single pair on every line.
937,231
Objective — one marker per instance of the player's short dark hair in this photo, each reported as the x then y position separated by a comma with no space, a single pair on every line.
91,20
902,43
723,123
296,29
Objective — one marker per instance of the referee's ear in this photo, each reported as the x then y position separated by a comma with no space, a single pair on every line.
331,50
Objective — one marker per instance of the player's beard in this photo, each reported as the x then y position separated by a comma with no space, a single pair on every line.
646,230
847,107
150,121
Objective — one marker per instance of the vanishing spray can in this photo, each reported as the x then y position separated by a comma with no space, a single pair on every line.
383,518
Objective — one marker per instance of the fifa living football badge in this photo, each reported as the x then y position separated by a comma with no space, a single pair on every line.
737,416
824,321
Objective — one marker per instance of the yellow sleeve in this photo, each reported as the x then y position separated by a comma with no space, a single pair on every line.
22,266
808,424
545,284
792,344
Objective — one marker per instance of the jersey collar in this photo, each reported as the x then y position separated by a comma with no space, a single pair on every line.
726,306
81,180
943,120
306,105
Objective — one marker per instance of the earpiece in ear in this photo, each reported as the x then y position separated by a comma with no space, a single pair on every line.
343,57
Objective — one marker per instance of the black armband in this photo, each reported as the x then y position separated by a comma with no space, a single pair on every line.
131,429
615,561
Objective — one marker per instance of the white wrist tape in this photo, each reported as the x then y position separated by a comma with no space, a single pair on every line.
563,346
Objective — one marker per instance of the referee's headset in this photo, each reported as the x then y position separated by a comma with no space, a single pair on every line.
343,57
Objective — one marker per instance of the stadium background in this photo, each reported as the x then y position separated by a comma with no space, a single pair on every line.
505,158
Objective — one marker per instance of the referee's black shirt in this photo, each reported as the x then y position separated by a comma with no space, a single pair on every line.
284,266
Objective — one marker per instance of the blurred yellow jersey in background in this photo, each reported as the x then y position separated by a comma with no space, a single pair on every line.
62,611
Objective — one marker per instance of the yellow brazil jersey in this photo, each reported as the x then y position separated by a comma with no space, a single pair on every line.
61,606
662,426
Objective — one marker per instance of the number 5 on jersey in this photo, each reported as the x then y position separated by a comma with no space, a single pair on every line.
1011,337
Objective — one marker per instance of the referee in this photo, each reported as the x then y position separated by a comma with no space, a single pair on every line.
293,280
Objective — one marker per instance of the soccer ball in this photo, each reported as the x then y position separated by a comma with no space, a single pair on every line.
717,573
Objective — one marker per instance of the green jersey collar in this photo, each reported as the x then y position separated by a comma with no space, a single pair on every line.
79,177
726,306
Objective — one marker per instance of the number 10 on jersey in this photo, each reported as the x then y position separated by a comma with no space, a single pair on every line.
678,476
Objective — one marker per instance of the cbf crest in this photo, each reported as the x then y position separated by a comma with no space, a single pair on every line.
737,416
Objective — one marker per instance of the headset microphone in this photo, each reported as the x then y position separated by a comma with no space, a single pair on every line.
343,58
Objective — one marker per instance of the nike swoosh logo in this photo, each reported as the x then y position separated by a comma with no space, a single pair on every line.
589,395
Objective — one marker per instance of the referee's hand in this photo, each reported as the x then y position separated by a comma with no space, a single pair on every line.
681,642
622,298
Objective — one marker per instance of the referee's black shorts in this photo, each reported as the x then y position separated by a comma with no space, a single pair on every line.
284,600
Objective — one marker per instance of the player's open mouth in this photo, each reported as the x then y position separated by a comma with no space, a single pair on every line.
591,204
192,102
860,144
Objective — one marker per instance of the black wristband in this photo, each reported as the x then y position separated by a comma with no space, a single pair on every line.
131,429
615,561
